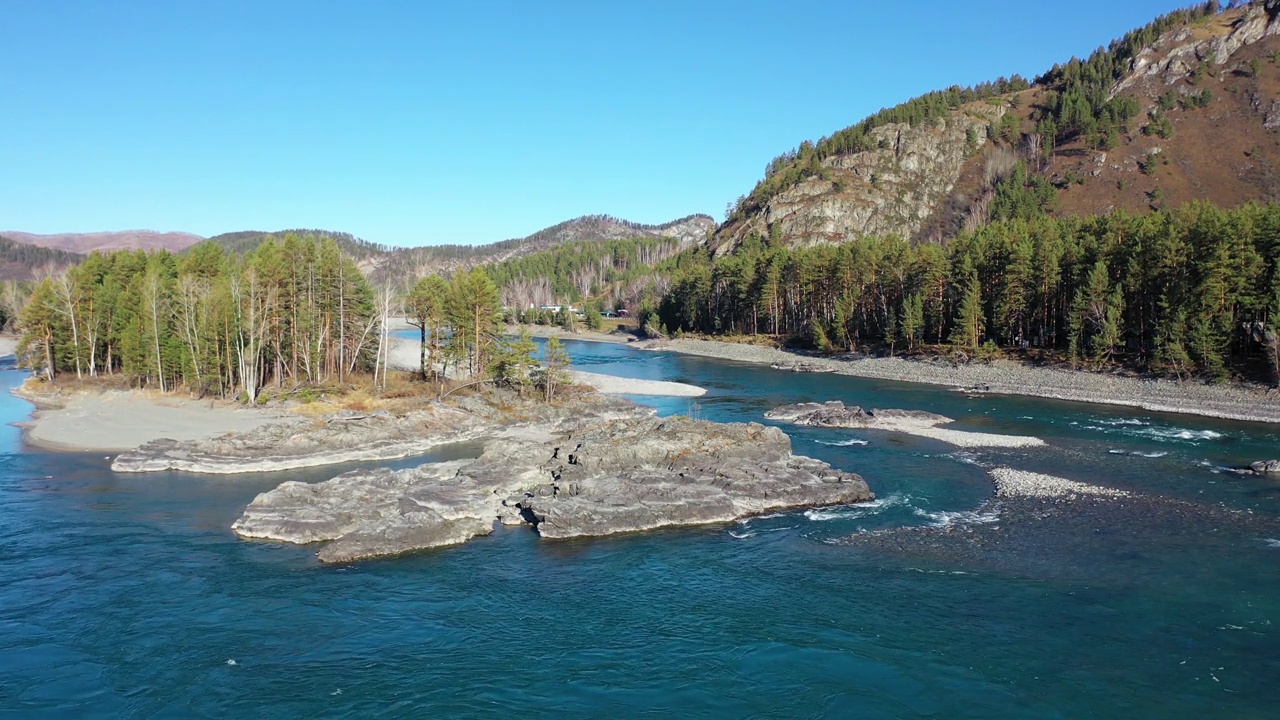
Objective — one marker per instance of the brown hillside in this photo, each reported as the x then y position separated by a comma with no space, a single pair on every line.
1216,83
1224,152
85,243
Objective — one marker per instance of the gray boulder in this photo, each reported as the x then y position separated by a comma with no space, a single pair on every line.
1266,467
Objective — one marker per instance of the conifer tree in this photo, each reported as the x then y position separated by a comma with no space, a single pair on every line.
472,309
554,374
912,319
968,326
427,310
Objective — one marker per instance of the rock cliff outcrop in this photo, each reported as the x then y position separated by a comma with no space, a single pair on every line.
597,476
891,189
1207,95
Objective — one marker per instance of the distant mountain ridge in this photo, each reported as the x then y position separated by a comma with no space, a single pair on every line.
85,243
21,261
380,261
409,263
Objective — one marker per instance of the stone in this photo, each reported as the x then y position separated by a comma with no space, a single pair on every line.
890,189
348,436
835,414
632,472
1266,467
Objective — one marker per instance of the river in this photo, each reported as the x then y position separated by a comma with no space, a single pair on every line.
128,595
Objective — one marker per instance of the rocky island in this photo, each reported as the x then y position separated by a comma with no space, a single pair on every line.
606,467
835,414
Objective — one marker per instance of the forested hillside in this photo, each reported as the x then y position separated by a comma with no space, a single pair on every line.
19,261
1190,292
1182,109
404,265
612,274
85,243
1117,211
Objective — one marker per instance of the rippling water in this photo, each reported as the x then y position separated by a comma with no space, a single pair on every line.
129,596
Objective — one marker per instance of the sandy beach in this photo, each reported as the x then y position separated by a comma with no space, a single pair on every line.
1227,401
119,420
8,345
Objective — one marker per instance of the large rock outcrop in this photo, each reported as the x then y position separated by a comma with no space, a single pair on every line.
352,437
889,190
601,476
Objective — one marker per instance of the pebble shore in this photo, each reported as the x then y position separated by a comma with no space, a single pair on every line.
1012,483
1227,401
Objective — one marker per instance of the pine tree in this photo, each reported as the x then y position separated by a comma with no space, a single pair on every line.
967,333
554,374
515,364
473,308
427,311
912,319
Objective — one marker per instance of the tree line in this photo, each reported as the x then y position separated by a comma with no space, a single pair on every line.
1173,292
295,311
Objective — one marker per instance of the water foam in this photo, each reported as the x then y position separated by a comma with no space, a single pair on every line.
844,443
947,518
1140,453
1141,428
848,512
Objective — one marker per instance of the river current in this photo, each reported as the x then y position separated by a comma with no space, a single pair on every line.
129,596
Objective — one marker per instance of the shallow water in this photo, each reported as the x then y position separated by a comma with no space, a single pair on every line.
128,595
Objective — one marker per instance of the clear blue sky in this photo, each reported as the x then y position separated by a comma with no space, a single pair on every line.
412,123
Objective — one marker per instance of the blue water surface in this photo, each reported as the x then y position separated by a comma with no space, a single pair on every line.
128,595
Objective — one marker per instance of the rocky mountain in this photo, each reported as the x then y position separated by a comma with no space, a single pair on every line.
85,243
1186,108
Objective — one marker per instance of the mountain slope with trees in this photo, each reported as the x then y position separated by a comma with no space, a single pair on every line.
1117,212
1184,108
85,243
404,265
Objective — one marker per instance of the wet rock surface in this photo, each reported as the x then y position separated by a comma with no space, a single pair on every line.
594,476
349,436
835,414
1266,467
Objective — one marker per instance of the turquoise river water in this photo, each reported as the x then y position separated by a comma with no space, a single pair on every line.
128,595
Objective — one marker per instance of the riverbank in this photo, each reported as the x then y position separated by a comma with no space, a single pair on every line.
1005,377
120,420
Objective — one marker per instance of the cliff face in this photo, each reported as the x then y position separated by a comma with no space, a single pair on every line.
1208,98
891,189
